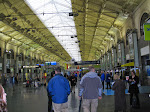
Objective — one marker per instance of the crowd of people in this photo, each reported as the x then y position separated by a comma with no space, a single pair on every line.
90,91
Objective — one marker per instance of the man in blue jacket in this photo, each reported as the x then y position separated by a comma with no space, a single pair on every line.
58,87
108,80
102,78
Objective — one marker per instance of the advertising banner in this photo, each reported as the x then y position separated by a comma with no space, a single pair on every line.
147,31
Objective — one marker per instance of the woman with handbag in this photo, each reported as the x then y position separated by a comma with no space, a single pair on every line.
133,88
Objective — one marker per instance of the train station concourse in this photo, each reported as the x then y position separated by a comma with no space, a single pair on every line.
42,41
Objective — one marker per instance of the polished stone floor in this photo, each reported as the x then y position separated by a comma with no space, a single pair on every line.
23,99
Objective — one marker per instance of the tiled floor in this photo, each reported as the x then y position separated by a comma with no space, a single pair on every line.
23,99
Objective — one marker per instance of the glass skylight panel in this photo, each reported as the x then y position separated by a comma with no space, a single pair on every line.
55,16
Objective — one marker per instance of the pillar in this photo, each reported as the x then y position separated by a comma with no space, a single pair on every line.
101,63
122,53
115,57
33,64
26,61
136,56
110,60
4,61
17,59
106,62
38,68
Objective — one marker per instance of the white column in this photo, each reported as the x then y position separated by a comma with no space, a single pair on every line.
136,56
106,61
122,53
17,59
101,63
115,57
5,58
110,60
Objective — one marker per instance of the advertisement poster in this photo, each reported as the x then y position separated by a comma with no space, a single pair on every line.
147,31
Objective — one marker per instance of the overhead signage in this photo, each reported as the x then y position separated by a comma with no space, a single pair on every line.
147,31
87,62
51,63
30,66
40,64
47,63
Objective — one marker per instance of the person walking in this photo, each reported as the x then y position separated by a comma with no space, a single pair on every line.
133,88
58,88
102,78
12,82
120,99
50,109
91,89
73,81
108,77
16,79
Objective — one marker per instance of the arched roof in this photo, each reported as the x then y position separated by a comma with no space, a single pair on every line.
96,22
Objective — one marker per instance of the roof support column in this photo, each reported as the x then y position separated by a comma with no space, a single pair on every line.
115,57
122,53
32,71
136,56
38,71
17,59
4,60
106,62
25,69
103,63
110,60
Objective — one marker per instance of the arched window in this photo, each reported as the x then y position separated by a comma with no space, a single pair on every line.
144,18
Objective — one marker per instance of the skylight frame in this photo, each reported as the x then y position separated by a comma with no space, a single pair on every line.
58,12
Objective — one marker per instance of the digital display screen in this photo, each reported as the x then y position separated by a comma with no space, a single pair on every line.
53,63
47,63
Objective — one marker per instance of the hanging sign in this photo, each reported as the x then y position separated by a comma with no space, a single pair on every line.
147,31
